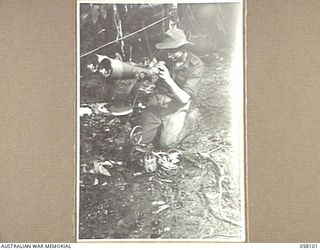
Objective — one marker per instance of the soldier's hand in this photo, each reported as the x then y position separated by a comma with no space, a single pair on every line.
164,72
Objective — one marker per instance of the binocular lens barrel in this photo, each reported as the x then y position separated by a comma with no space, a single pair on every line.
121,70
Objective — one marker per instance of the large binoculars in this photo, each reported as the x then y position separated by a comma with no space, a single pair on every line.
117,70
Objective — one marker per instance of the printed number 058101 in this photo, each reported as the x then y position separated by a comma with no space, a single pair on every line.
308,246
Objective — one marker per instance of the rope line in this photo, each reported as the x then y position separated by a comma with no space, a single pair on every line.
124,37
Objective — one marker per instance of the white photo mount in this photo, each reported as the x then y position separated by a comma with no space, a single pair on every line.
175,212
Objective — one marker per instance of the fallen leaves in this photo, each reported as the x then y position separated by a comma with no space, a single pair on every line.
98,168
161,208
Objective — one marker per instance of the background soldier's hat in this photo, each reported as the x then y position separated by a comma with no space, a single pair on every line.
173,39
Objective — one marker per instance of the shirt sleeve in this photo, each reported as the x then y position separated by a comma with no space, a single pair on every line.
192,84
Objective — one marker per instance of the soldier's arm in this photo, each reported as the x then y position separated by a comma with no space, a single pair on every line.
180,94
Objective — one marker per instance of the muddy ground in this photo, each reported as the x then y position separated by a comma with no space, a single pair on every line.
199,201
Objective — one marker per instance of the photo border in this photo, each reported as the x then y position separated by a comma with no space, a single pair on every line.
238,117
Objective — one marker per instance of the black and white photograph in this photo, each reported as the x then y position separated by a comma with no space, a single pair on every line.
160,121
